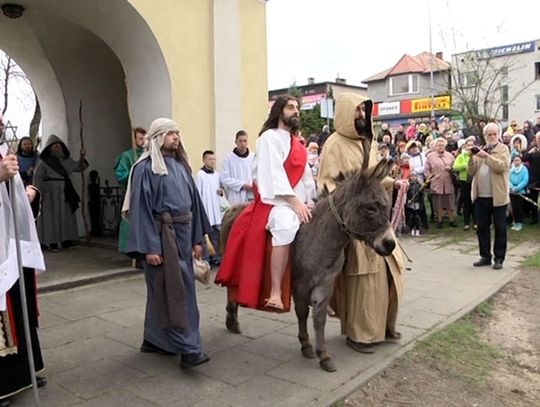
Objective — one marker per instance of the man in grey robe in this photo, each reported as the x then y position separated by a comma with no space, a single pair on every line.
52,176
167,224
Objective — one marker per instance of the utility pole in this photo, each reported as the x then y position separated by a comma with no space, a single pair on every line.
432,84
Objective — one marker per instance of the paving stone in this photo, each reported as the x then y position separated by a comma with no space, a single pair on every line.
82,352
255,393
75,331
275,346
90,380
436,306
126,317
217,339
183,388
118,398
50,395
256,326
48,319
246,365
419,319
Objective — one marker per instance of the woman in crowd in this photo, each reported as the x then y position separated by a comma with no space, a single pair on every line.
438,167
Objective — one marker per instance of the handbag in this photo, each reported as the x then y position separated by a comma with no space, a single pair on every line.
201,268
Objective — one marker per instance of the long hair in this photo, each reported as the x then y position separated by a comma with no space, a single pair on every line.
19,147
275,113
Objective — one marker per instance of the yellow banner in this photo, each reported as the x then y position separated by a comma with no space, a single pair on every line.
424,105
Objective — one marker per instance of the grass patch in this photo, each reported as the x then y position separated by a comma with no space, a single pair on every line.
532,262
459,350
452,236
484,309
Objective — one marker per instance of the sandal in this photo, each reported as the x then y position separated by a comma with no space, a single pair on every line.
269,303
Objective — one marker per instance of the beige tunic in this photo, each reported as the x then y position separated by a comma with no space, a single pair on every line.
366,294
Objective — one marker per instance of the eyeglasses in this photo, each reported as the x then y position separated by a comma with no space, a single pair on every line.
513,125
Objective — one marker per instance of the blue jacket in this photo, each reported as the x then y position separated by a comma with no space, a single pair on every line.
519,179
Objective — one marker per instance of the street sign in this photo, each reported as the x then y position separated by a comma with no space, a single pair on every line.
327,108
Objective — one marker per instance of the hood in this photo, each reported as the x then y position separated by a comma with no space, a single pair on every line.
346,105
410,144
523,140
53,138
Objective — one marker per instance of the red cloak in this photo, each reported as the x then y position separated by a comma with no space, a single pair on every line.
245,267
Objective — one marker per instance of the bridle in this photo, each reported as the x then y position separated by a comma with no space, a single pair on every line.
351,233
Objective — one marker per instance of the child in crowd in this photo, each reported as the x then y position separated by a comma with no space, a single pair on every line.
415,202
313,158
519,179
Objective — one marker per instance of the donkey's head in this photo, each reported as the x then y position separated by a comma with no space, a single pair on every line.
362,204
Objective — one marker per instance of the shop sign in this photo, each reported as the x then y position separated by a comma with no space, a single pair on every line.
424,104
388,108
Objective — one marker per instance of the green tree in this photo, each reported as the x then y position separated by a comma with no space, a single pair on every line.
294,91
312,122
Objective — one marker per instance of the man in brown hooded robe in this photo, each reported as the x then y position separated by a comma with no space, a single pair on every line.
367,292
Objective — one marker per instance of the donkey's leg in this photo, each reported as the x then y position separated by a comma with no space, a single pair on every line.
301,307
320,298
231,322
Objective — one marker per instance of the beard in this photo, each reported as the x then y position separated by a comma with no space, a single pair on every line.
360,125
170,150
291,121
57,154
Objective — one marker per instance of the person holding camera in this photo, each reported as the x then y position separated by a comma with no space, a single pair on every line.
489,167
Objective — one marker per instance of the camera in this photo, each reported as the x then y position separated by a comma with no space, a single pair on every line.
475,149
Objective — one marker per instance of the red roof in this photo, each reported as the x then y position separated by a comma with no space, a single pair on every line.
420,63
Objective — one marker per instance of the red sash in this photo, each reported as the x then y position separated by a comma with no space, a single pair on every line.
245,265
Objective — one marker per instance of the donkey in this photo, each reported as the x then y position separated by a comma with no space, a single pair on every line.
359,209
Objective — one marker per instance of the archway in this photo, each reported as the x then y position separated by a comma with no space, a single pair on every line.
99,51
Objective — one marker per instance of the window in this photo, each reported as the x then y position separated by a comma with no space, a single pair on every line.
403,84
537,100
537,70
468,79
504,99
504,96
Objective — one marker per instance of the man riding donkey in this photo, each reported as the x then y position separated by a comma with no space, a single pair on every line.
367,291
255,263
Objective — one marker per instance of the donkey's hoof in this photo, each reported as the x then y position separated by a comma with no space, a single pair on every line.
233,326
327,365
307,352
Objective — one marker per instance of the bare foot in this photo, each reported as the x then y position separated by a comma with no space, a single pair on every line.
274,302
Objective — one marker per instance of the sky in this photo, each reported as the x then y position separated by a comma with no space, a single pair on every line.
356,39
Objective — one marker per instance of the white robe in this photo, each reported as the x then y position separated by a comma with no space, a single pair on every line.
235,172
273,147
30,247
208,184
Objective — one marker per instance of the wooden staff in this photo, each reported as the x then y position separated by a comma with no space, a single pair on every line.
83,179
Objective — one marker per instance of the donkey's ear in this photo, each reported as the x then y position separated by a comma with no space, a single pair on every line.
381,170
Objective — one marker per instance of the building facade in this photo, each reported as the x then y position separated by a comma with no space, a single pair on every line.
504,81
316,93
405,90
